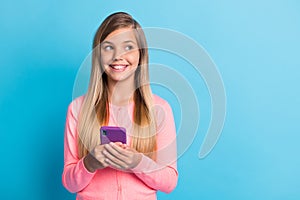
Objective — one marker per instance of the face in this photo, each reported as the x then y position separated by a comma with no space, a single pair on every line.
120,55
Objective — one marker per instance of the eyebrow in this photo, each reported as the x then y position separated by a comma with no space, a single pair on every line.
127,41
106,42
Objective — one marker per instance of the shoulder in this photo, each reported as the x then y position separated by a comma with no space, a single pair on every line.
75,106
161,106
163,113
157,100
78,100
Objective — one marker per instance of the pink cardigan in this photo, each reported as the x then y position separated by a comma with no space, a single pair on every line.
144,180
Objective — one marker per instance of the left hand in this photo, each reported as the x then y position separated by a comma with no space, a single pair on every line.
121,156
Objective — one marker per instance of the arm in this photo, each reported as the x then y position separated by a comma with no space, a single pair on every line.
75,176
163,178
161,174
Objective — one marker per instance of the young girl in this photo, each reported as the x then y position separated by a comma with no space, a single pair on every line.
119,94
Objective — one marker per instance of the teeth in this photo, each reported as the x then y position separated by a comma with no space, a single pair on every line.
118,67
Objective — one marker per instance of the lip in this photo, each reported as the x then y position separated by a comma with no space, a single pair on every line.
118,67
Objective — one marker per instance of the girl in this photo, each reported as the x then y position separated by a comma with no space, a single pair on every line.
119,94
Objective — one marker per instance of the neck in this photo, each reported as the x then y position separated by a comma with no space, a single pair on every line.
120,93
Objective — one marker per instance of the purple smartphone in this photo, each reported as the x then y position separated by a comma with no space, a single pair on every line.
112,134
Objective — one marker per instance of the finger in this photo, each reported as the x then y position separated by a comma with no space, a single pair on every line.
130,150
120,144
112,164
113,161
100,157
116,151
119,149
98,150
115,165
104,163
112,157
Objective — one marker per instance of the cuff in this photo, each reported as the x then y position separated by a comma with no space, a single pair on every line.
146,165
84,170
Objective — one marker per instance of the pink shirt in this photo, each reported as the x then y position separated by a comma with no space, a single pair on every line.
144,180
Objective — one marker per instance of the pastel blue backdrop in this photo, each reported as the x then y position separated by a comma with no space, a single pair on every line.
255,45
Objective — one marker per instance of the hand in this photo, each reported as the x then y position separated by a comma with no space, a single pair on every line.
121,156
95,159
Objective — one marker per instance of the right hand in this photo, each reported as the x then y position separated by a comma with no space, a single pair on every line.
95,159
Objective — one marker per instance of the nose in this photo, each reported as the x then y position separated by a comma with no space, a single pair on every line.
118,54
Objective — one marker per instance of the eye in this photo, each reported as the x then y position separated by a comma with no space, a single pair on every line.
108,47
129,47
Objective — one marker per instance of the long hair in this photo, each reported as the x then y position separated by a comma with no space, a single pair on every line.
95,110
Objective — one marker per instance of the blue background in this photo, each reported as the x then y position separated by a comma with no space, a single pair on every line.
255,45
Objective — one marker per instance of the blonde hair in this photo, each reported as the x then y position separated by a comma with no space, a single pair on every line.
95,110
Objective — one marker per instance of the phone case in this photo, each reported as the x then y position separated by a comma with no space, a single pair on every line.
112,134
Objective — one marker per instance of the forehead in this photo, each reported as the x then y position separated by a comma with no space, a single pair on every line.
121,35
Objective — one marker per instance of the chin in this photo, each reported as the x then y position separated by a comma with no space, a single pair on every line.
123,76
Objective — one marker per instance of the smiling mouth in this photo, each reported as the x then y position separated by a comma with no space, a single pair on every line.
118,67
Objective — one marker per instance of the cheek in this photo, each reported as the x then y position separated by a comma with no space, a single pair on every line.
105,58
134,58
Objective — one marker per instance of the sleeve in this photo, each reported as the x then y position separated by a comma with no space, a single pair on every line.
75,176
161,174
